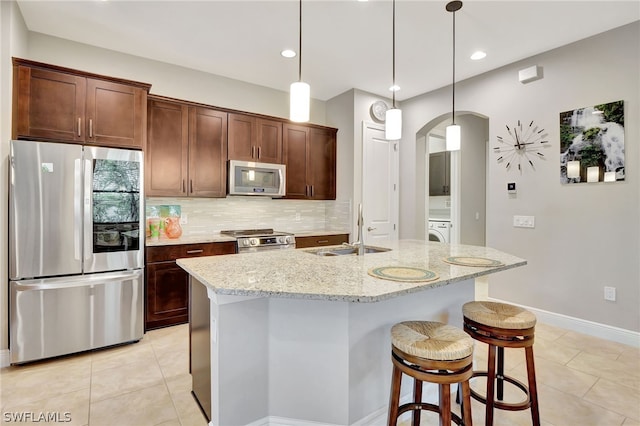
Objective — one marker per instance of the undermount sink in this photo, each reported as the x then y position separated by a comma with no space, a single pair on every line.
346,251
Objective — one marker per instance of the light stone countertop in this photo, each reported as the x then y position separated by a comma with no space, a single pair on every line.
192,239
303,275
217,238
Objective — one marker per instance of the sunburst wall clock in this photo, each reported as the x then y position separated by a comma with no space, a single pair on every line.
521,146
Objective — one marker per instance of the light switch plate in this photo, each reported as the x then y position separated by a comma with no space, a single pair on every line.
524,221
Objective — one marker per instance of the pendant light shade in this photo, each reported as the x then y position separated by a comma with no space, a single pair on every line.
452,138
299,102
300,92
453,135
393,124
393,116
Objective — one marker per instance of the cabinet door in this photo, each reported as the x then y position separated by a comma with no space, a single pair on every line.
321,164
167,298
295,147
269,137
116,114
439,173
50,105
242,137
207,152
166,154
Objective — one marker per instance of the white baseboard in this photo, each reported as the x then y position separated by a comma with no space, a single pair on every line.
5,358
603,331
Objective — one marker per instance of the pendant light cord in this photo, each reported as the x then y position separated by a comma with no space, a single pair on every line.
300,44
453,88
393,72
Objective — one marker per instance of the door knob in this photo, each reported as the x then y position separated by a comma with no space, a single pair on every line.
371,229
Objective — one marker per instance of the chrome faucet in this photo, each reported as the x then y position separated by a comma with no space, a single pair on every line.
359,243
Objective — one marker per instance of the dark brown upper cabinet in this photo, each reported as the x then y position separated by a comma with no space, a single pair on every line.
254,139
186,150
310,156
61,104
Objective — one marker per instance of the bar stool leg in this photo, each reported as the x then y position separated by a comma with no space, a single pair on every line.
417,398
394,399
500,374
465,403
491,377
445,404
533,390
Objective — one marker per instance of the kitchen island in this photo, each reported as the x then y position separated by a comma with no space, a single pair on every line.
297,338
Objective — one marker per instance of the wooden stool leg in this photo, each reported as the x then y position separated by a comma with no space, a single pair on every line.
465,403
500,374
491,376
533,390
394,399
445,404
417,398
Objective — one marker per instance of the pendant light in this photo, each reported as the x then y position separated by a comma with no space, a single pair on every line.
453,130
393,116
300,91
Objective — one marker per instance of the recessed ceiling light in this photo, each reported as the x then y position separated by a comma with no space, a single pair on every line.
288,53
478,55
394,88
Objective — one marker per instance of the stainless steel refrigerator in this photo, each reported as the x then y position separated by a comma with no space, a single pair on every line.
76,241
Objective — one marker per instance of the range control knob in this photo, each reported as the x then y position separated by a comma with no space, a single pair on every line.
282,239
253,241
244,242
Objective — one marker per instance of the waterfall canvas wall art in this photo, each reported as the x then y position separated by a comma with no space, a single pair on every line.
592,144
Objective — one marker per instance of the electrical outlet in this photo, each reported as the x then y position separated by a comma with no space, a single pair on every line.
184,219
610,294
524,221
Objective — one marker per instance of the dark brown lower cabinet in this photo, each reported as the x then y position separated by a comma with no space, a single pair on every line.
167,284
321,240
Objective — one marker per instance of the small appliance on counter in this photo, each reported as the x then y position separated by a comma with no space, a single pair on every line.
76,253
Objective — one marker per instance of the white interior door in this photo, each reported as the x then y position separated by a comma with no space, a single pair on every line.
379,186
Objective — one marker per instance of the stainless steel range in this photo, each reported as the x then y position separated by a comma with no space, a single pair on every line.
249,240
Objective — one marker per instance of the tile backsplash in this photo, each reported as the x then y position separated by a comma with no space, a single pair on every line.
211,215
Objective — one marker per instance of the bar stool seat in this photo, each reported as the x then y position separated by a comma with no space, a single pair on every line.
431,352
501,326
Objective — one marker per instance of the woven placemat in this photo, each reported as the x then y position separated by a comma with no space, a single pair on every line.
403,273
472,261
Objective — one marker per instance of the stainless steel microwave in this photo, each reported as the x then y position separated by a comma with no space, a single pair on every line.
250,178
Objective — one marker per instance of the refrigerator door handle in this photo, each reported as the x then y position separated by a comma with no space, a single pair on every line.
77,209
88,228
76,281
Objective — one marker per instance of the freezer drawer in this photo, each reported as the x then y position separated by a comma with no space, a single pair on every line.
59,316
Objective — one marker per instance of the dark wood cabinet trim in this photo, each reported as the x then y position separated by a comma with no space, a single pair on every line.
34,64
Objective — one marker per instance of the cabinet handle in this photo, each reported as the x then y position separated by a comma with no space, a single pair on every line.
79,126
191,185
253,152
258,152
90,127
182,185
323,241
311,186
194,251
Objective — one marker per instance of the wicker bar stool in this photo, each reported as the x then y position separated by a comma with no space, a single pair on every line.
501,326
436,353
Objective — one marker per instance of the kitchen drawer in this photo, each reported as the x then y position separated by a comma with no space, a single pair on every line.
173,252
321,240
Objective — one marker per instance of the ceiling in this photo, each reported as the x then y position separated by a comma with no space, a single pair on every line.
346,43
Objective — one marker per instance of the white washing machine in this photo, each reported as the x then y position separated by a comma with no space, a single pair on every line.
440,230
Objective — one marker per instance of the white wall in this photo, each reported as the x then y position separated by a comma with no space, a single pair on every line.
586,235
13,34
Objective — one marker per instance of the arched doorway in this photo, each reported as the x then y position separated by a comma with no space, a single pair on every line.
464,204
